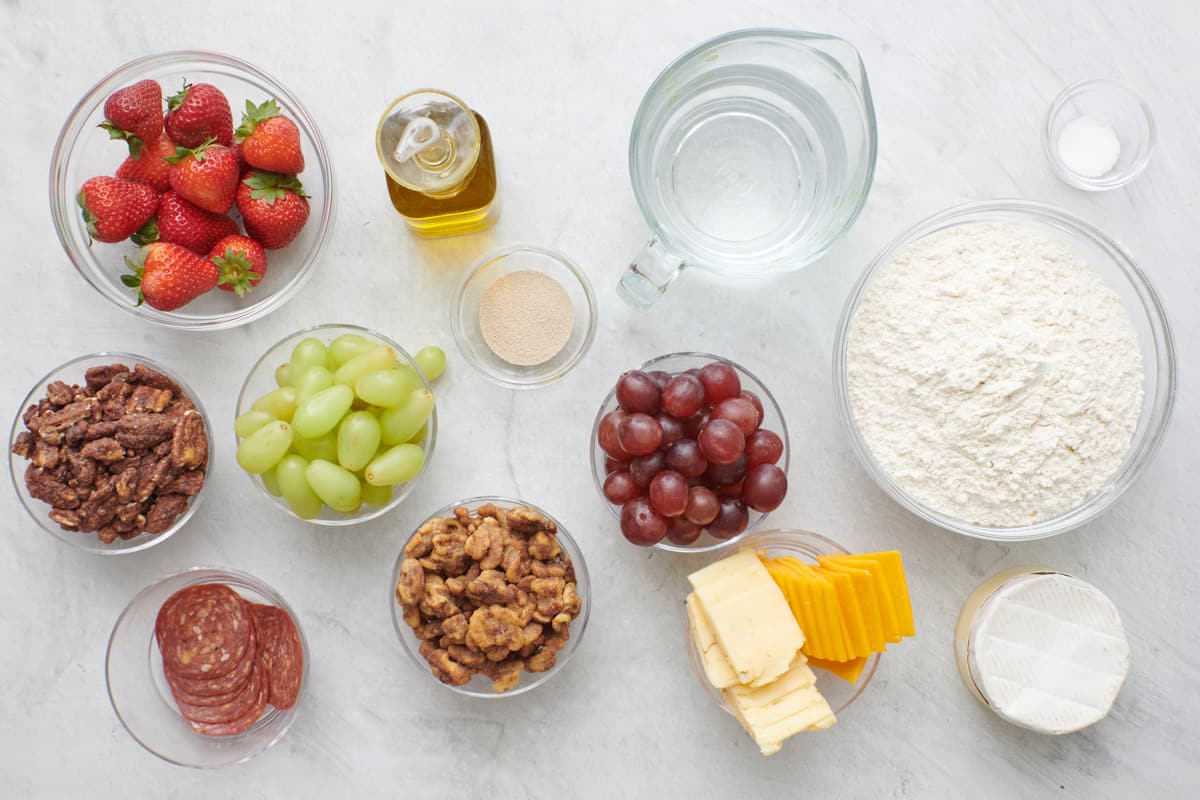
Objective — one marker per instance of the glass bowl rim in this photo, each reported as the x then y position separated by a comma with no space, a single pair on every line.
97,547
1158,403
1111,180
594,446
578,625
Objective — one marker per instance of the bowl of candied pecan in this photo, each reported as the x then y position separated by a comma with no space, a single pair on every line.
110,452
490,597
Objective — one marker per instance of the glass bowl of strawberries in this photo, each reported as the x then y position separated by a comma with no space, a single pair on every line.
193,190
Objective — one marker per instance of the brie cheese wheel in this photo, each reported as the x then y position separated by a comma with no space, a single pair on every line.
1047,651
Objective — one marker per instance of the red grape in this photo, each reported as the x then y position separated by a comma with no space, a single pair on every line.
683,396
661,379
732,490
702,506
685,457
731,519
739,411
612,465
754,401
693,424
620,488
637,391
639,434
720,381
719,475
672,429
720,440
644,468
682,531
641,524
607,438
764,487
763,447
669,493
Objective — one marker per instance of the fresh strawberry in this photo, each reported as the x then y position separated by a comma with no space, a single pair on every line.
274,207
269,141
199,112
135,114
113,209
168,276
243,167
179,222
241,261
150,166
207,176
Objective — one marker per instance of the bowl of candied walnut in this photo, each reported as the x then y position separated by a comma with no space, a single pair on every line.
490,596
109,453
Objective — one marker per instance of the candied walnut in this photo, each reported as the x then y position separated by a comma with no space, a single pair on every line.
548,593
543,546
494,627
486,543
561,622
436,600
525,520
446,669
187,483
420,544
410,588
103,450
455,628
68,520
547,569
504,674
148,399
545,658
572,603
448,556
59,393
491,588
99,377
469,658
428,631
516,562
152,377
44,487
189,445
24,444
164,512
461,514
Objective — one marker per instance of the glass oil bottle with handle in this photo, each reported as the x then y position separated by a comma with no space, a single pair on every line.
441,170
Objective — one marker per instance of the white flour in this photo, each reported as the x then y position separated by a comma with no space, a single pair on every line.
994,375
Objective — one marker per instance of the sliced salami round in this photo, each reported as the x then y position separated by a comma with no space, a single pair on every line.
242,723
280,648
204,631
241,704
201,691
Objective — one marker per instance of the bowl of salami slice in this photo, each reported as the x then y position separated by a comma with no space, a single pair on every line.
207,667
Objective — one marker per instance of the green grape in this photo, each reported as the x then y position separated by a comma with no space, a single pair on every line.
400,464
280,403
299,495
400,423
321,413
419,436
432,361
387,388
251,421
313,380
380,358
283,375
307,353
323,447
271,481
337,487
357,440
262,449
349,345
376,495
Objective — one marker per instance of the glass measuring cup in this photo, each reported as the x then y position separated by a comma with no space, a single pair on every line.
750,154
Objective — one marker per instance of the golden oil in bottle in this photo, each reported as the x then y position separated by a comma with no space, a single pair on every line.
439,163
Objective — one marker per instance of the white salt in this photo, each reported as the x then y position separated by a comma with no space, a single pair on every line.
1088,147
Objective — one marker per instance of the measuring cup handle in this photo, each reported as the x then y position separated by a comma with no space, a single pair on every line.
649,275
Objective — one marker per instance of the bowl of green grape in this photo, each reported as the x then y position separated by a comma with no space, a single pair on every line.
336,423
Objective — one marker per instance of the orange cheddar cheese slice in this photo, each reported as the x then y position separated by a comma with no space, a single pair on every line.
872,594
848,671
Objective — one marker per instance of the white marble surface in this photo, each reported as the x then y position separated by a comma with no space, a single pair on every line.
960,89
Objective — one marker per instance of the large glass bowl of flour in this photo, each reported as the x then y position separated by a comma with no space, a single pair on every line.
1004,370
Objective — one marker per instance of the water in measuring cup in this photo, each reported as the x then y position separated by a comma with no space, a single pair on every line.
749,170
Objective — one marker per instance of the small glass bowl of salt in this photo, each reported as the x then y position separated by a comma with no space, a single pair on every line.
1098,135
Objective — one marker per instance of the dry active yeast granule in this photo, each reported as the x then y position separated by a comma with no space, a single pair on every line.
525,317
994,375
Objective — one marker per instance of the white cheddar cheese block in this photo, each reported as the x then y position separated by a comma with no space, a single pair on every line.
786,706
1048,652
749,616
716,665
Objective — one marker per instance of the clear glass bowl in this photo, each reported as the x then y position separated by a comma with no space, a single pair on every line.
139,692
464,315
83,151
72,372
675,363
1114,106
805,545
480,686
262,380
1119,272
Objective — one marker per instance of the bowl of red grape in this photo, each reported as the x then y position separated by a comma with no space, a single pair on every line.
690,452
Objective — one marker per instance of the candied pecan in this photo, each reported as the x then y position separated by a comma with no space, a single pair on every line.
117,390
76,434
446,669
436,600
187,483
45,455
68,520
455,628
491,588
151,475
410,588
129,512
148,399
143,431
105,450
100,430
83,471
523,519
44,487
545,658
163,513
99,377
24,444
101,506
52,426
152,377
494,627
126,484
59,393
108,534
189,445
543,546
